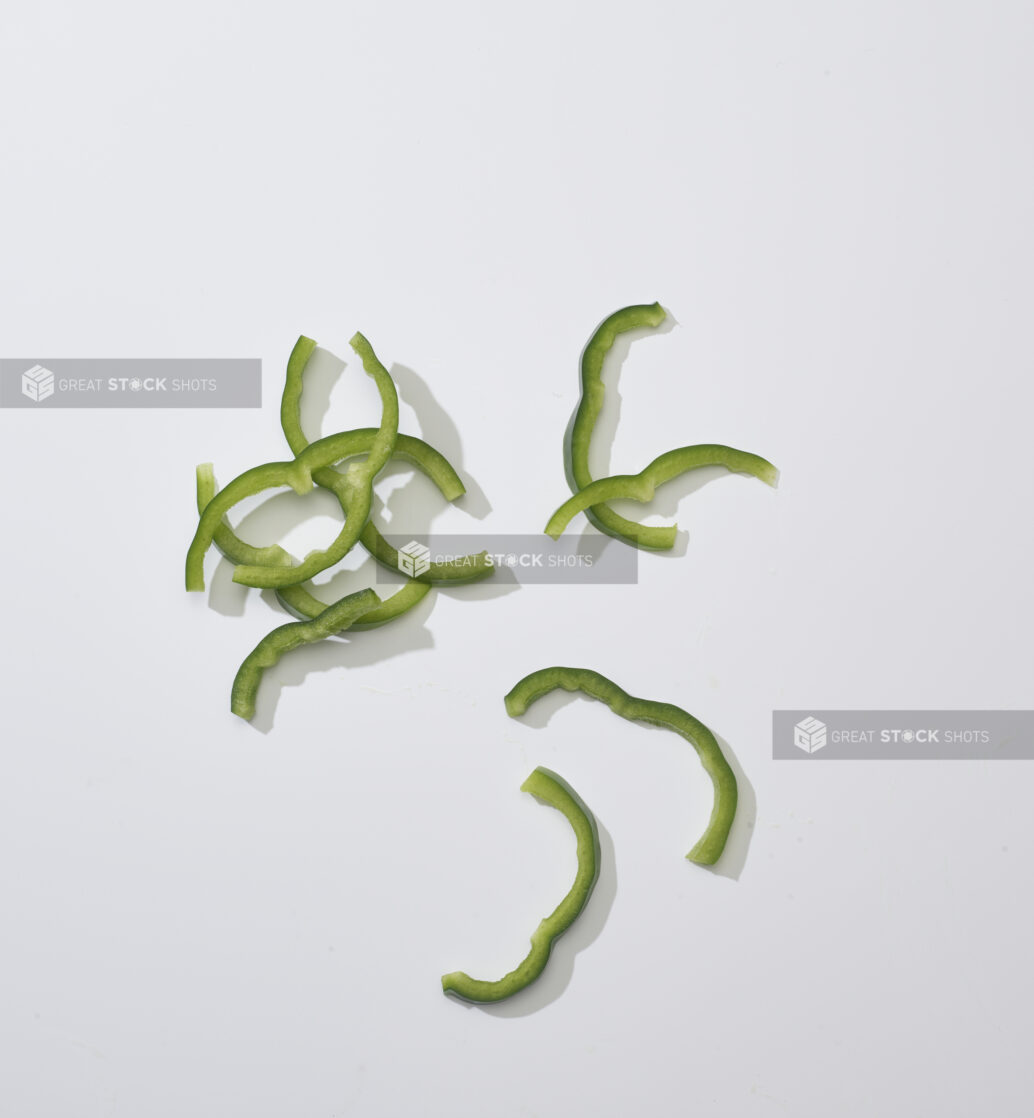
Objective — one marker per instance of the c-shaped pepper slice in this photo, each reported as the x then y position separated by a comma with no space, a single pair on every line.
579,436
546,786
408,448
356,489
708,850
641,486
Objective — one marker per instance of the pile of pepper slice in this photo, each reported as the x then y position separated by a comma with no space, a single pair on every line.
367,450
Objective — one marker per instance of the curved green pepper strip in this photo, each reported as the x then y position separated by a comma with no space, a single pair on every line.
305,605
408,448
291,400
708,850
413,450
468,568
576,444
641,486
273,645
553,790
298,475
297,599
225,538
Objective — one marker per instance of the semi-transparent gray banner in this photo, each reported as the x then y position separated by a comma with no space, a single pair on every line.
913,735
525,559
126,382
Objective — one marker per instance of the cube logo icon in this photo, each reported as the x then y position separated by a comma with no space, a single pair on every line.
37,383
414,559
809,734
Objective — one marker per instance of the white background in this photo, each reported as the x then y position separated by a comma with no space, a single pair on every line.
208,918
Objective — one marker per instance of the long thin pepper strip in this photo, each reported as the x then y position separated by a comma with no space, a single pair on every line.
546,786
641,486
708,850
275,644
307,606
579,437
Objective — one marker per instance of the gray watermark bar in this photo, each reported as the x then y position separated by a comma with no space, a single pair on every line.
127,382
913,735
526,559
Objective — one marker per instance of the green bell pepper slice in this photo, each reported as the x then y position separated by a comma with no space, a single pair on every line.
281,640
579,436
408,448
355,491
549,788
224,537
641,486
298,600
708,850
305,605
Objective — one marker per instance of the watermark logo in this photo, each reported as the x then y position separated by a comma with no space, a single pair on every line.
37,383
510,559
123,382
809,734
889,735
414,559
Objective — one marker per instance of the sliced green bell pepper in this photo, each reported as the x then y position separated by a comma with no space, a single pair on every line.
553,790
304,604
579,437
708,850
356,485
641,486
275,644
298,600
225,538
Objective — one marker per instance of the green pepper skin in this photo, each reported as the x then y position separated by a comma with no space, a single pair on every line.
641,486
410,449
549,788
709,849
281,640
576,444
298,600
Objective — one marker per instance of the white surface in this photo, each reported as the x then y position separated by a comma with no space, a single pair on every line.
201,918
